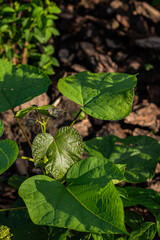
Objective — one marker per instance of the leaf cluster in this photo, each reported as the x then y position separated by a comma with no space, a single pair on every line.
75,198
25,30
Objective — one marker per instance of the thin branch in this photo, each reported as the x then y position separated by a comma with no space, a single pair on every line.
74,120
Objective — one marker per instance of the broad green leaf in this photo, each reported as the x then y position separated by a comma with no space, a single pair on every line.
140,154
133,219
19,84
50,203
43,110
8,154
158,225
146,197
1,128
97,170
146,231
62,150
107,96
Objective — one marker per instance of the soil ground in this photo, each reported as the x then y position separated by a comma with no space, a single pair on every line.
100,36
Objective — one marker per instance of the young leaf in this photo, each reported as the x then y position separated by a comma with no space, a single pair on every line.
43,110
107,96
97,170
140,160
62,150
8,154
1,128
50,203
148,198
146,231
20,84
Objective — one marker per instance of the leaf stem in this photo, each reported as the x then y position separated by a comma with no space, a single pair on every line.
26,158
24,133
11,209
74,120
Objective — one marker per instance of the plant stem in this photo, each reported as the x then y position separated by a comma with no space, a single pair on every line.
26,158
10,209
89,237
74,120
25,135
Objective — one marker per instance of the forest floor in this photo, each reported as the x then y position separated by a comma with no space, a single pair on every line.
100,36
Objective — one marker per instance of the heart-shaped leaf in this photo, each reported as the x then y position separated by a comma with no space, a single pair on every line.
62,150
107,96
8,154
140,154
20,84
90,209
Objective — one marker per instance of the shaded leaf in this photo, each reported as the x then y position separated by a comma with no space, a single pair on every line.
146,231
8,154
31,231
93,170
50,203
133,219
19,84
59,234
146,197
62,150
102,236
140,160
107,96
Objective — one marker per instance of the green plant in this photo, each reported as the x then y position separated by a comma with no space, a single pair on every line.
25,33
79,199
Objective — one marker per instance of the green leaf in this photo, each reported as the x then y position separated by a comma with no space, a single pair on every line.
140,160
52,204
158,225
147,231
148,198
1,128
133,219
107,96
16,180
7,9
8,154
93,170
20,84
62,150
43,110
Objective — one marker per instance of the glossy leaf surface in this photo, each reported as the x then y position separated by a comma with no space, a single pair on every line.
19,84
107,96
62,150
140,154
8,154
50,203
